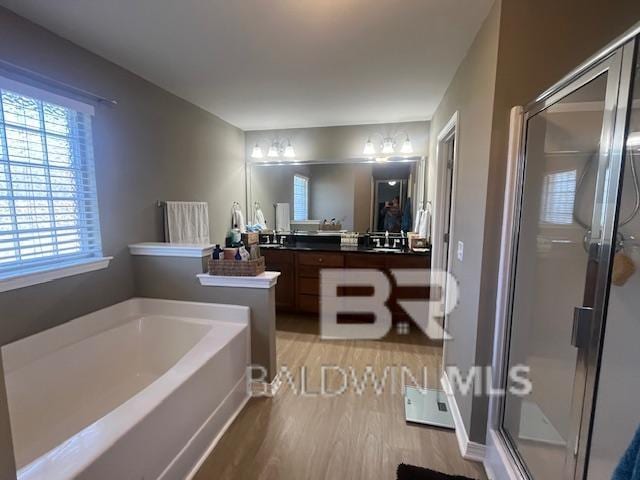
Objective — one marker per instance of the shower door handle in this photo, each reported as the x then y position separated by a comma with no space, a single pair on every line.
580,332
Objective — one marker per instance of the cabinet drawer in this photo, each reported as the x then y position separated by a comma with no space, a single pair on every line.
365,260
277,257
322,259
407,261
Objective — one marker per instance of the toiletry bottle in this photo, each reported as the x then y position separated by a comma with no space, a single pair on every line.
244,255
235,235
238,256
217,253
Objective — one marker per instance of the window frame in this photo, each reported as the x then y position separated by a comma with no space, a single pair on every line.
55,266
306,183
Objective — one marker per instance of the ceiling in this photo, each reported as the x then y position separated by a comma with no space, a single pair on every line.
279,63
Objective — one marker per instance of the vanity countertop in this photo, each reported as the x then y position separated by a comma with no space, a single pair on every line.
341,249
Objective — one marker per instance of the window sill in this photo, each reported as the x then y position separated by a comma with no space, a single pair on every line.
52,272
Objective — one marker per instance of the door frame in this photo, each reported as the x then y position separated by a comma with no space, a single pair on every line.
438,253
502,461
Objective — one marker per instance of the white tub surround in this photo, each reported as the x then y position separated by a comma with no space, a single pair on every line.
137,390
264,280
160,274
159,249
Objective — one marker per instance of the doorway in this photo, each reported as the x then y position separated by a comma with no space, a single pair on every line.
444,204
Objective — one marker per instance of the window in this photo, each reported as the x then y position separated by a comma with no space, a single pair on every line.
558,196
300,198
48,203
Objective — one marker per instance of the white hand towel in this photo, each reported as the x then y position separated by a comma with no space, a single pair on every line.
416,223
259,219
425,224
237,218
188,222
283,217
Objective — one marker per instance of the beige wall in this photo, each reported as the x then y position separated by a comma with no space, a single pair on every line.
151,146
540,42
471,95
524,47
341,142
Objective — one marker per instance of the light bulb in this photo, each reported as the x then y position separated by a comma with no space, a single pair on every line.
289,152
369,149
392,183
273,151
387,146
406,146
256,152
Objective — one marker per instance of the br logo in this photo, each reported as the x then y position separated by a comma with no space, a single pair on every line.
427,314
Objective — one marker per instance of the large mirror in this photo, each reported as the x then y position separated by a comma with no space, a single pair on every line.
350,195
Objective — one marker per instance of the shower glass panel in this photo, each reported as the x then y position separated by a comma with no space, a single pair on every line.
617,415
562,155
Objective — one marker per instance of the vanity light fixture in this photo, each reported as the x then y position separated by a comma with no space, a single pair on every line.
388,146
276,149
289,152
273,150
257,152
406,146
369,149
392,183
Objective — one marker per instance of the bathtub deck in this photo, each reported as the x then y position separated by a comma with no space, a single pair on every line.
348,436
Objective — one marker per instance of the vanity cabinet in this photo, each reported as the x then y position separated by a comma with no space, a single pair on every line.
282,261
308,266
298,287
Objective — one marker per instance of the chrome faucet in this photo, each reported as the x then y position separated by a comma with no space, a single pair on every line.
386,239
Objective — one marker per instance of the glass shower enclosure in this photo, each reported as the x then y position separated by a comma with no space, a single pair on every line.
571,309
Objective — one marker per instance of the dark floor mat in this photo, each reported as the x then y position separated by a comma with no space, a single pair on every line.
409,472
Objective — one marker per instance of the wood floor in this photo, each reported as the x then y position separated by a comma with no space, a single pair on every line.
348,436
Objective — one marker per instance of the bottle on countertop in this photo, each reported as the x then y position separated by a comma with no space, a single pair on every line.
236,235
244,255
238,257
217,254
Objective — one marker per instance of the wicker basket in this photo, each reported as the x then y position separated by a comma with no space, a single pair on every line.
237,268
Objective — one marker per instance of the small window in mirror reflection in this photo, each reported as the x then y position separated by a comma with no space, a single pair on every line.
558,196
300,197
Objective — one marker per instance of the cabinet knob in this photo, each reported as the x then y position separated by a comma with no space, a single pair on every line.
320,260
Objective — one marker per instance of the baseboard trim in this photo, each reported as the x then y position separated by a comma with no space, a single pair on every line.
468,449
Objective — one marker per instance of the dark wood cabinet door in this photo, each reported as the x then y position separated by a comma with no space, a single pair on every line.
283,262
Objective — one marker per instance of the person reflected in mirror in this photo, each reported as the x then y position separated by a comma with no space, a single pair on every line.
392,214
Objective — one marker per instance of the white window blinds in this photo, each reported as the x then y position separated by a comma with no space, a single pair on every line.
558,196
300,197
48,203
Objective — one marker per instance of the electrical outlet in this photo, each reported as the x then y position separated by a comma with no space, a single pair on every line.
460,251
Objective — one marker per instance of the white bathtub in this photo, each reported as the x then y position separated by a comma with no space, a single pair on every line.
138,391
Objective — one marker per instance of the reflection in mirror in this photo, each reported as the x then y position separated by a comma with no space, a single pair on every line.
345,196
